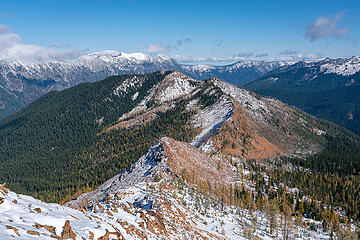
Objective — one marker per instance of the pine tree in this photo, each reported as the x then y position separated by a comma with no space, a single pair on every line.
272,215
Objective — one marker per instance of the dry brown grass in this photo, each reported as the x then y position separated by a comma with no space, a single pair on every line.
196,167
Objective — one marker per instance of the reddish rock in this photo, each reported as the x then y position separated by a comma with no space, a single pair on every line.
106,236
91,235
14,229
67,232
31,232
38,210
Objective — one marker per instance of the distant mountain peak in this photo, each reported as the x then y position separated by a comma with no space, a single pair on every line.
356,58
112,56
344,67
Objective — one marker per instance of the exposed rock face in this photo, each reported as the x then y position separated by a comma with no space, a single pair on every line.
31,232
67,232
50,229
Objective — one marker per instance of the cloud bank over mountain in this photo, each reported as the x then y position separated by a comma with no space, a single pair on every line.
11,49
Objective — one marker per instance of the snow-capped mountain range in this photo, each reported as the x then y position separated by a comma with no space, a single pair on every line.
327,74
21,83
238,73
339,66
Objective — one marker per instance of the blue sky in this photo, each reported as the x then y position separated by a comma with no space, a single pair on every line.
215,32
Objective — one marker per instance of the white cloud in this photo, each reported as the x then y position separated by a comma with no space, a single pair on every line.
7,38
242,57
12,50
261,55
34,53
288,52
158,47
188,59
311,56
231,59
60,45
192,59
300,57
182,41
326,26
245,54
4,29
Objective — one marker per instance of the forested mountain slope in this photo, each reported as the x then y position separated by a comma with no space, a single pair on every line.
328,89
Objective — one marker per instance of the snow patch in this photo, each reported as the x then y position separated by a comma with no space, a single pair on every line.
253,105
176,85
128,83
135,96
273,79
100,120
210,119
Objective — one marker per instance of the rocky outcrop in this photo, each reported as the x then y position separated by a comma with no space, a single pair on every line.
67,232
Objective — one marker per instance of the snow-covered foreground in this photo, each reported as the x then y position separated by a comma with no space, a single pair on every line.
157,210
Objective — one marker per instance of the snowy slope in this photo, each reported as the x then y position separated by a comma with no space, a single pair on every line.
256,107
345,67
210,119
339,66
